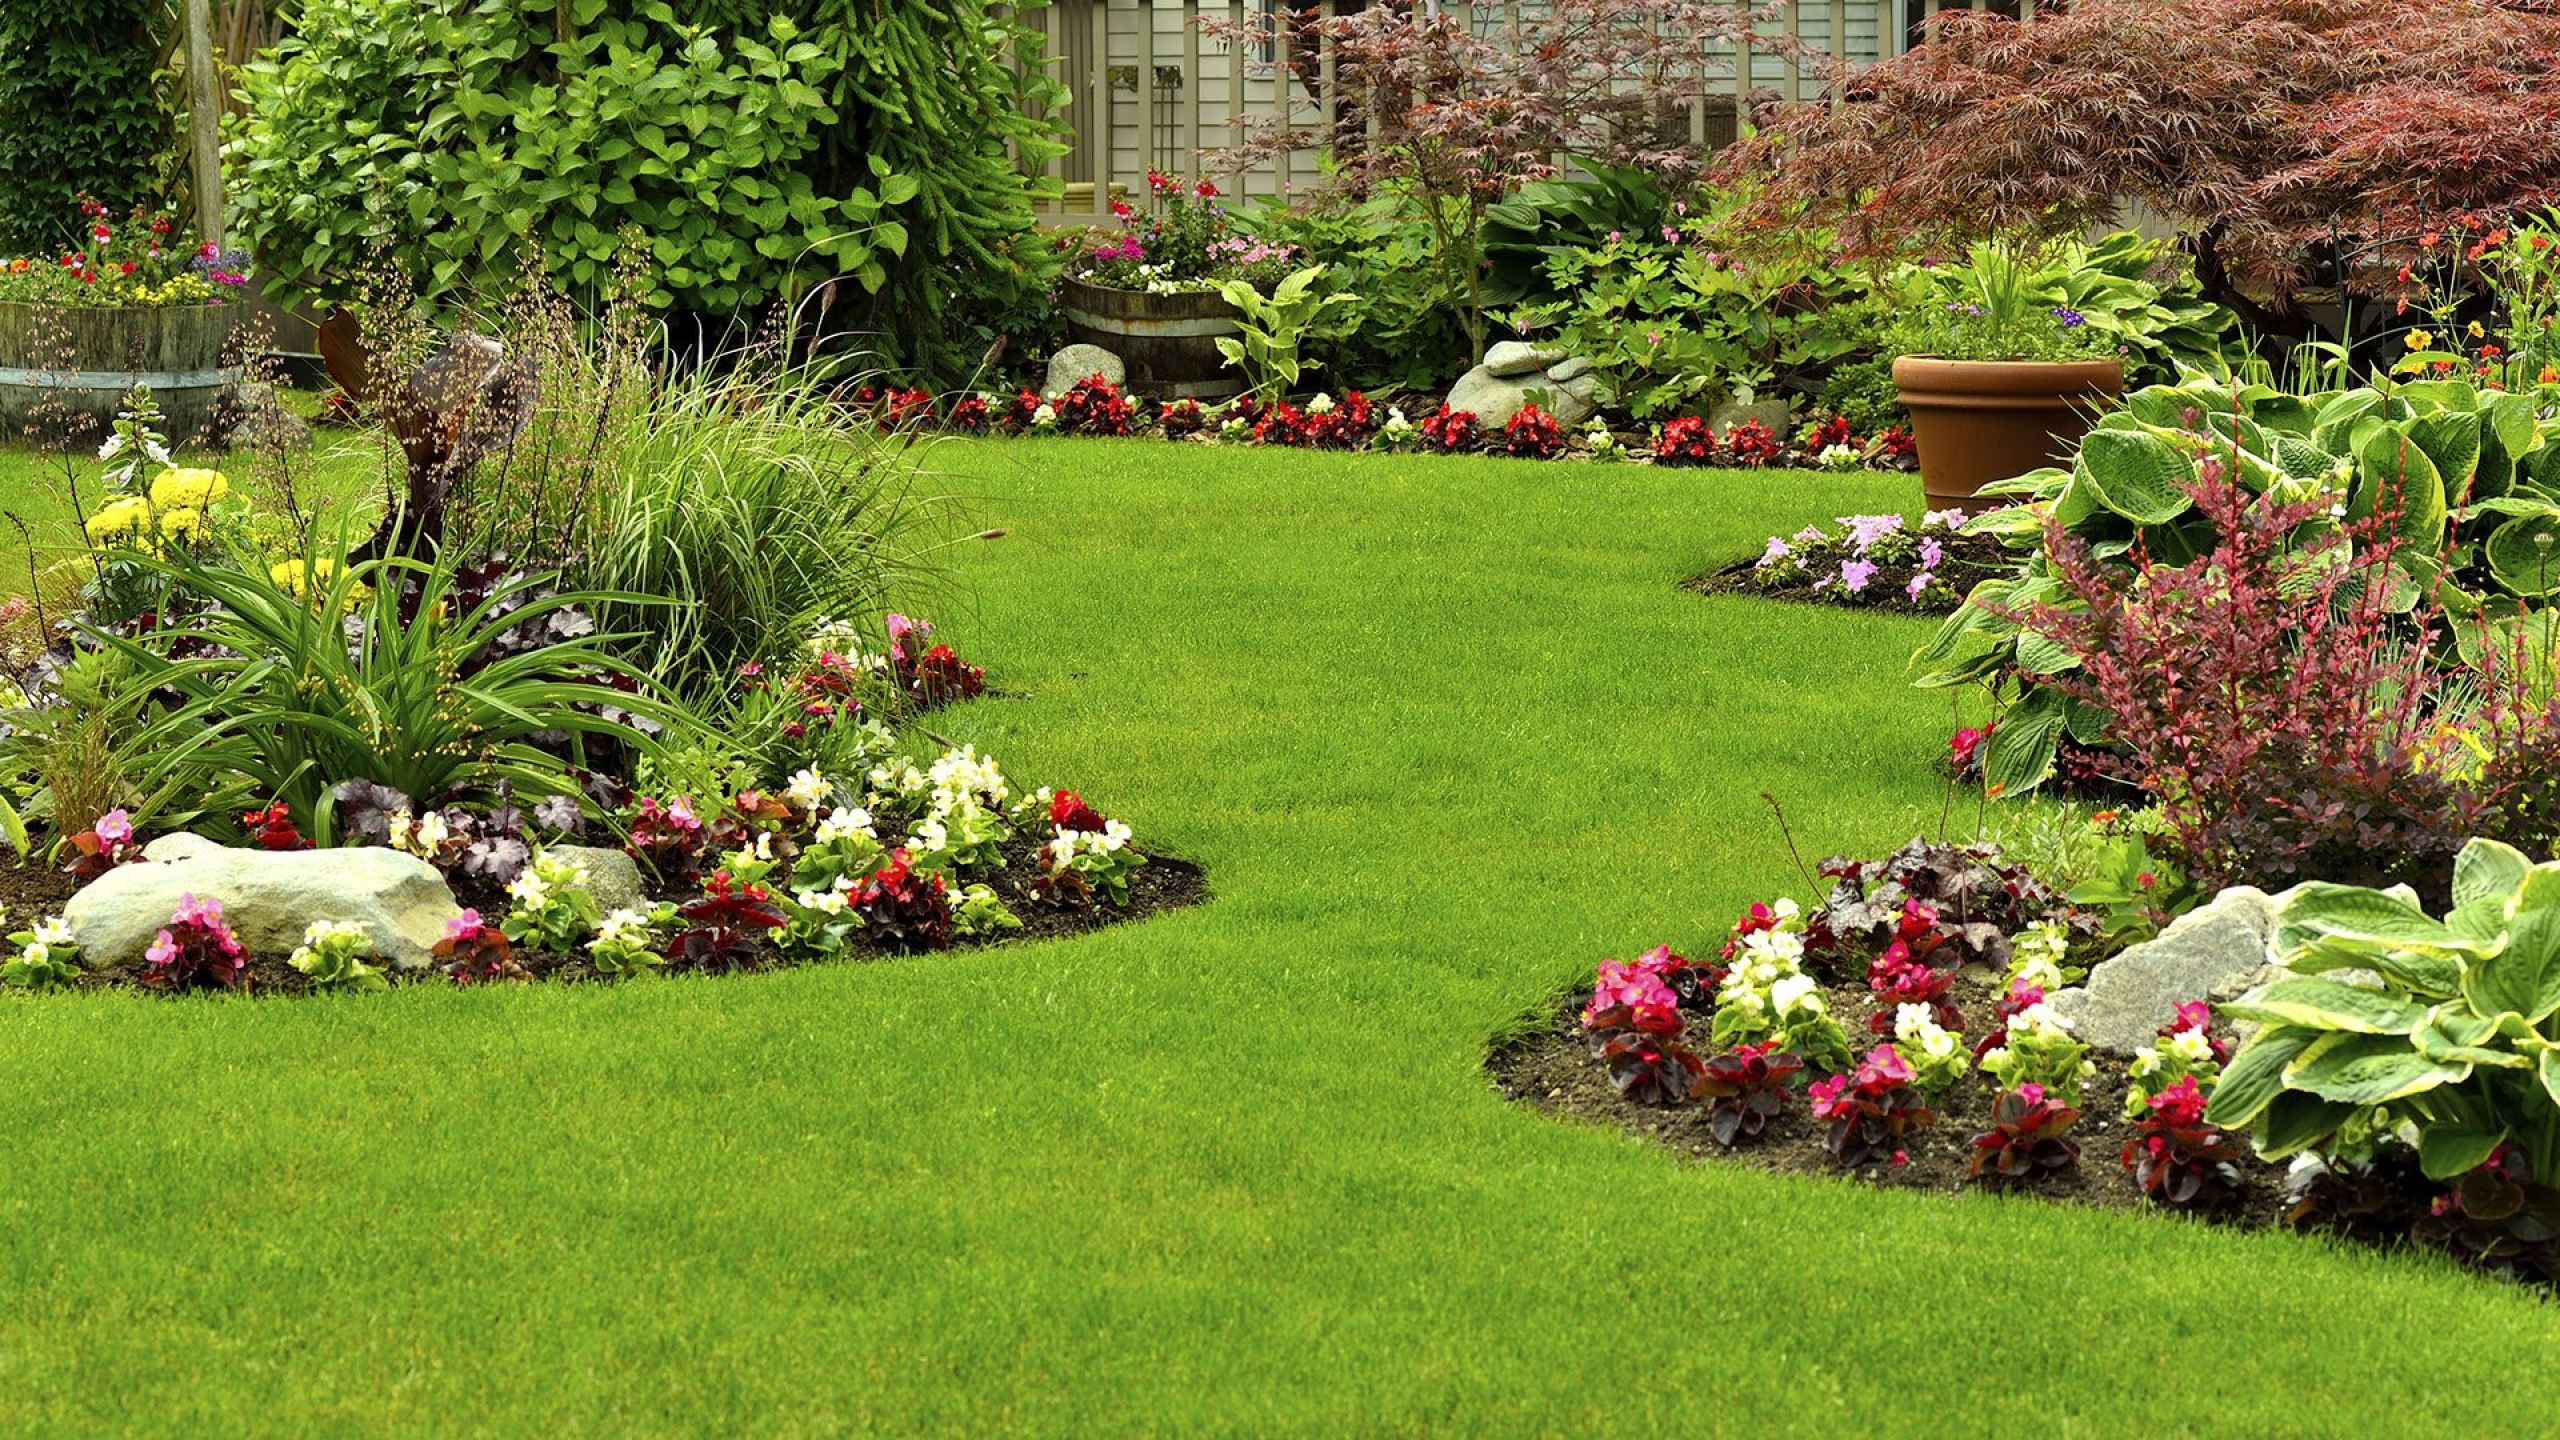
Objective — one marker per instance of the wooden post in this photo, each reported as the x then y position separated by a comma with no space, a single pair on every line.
204,121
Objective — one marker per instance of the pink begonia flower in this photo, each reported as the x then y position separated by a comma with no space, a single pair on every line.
114,828
463,926
1888,1065
2192,1015
2032,1093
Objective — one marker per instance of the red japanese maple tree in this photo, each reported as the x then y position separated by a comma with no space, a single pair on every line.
2263,127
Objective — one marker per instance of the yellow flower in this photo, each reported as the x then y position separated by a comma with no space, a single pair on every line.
2420,340
2475,331
188,489
293,577
129,513
181,523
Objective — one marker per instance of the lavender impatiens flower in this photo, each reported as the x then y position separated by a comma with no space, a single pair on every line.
1855,574
1866,530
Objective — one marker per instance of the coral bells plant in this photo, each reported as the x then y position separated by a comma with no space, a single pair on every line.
2174,1156
2027,1138
1532,434
1745,1088
195,950
1872,1110
475,952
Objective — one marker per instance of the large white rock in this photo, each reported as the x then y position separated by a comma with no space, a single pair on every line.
1513,358
1082,362
268,897
1494,399
2213,952
612,876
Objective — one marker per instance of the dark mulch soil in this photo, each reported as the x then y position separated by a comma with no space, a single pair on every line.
1552,1068
28,893
1163,883
1969,559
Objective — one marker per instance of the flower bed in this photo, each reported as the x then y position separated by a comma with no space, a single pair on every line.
1875,562
1906,1031
1358,421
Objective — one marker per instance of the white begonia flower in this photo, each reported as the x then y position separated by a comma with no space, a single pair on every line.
828,901
530,889
1793,992
1321,405
931,836
430,833
844,822
35,952
2041,1017
1785,908
2036,970
1062,851
54,930
809,789
2191,1046
623,924
400,825
1114,835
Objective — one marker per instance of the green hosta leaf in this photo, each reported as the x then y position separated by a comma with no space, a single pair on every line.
2137,475
2550,1074
2353,914
2255,1076
2397,475
2291,414
2525,976
2321,1004
2369,1069
2339,416
14,827
2295,1121
2019,754
2453,1035
2524,555
2303,460
2488,868
2448,1150
2452,440
2423,975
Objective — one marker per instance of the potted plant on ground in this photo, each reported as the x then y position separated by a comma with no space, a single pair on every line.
1998,381
1149,293
135,304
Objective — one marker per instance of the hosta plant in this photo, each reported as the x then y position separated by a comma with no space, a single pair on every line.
1745,1088
2448,1025
2028,1137
1872,1110
2174,1157
332,956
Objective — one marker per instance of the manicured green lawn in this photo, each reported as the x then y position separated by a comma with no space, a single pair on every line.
1445,734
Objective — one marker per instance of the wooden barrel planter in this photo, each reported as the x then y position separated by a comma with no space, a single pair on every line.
73,366
1169,342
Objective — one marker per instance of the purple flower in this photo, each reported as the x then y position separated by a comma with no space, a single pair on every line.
1918,583
1670,235
1855,574
1615,237
1866,530
2068,318
1778,550
1931,552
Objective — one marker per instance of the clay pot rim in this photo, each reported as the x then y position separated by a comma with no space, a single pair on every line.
2029,376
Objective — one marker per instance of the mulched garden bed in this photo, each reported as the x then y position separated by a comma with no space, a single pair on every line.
1551,1068
1968,559
1163,883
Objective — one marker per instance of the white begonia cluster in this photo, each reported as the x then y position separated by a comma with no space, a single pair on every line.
2183,1053
1321,405
1235,429
965,774
2036,954
896,784
845,822
1045,418
321,936
625,926
1916,1028
809,789
421,835
1767,982
830,899
1397,430
1603,441
539,882
1839,457
1068,845
50,934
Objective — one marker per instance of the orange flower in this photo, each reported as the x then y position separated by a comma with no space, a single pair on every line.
2550,375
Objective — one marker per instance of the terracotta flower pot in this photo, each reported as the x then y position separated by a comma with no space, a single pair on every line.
1979,421
1169,342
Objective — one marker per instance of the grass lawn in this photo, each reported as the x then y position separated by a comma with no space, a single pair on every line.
1445,733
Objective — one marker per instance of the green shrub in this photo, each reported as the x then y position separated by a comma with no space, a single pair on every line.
757,158
79,114
1399,324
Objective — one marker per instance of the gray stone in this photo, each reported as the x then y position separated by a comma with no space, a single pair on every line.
2211,953
1494,399
1572,369
253,418
1514,358
1081,362
268,898
612,877
1776,414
